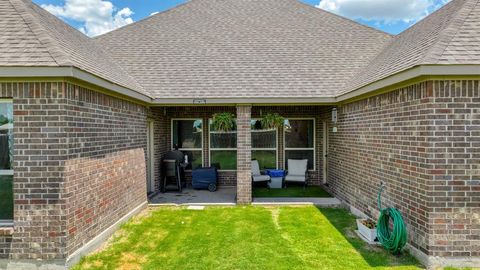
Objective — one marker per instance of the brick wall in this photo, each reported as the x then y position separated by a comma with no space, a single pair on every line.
160,141
422,141
72,152
39,154
244,154
385,138
453,195
5,242
105,166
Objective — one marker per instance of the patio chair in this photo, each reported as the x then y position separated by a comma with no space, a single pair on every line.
297,172
257,176
171,171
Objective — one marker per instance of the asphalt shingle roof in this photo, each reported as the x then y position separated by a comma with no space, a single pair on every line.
241,48
18,44
34,37
451,35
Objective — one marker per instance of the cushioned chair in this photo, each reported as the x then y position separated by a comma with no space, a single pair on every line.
297,172
257,177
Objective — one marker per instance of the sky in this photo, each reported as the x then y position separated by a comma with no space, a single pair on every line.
96,17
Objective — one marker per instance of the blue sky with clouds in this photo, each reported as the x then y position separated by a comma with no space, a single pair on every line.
94,17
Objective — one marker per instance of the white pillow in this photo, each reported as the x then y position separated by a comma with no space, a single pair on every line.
297,167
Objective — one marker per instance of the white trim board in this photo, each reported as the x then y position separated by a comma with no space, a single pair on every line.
412,73
71,72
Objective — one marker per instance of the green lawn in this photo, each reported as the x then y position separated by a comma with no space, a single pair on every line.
311,191
242,238
6,197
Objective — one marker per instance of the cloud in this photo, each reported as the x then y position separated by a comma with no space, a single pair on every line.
383,11
153,13
96,16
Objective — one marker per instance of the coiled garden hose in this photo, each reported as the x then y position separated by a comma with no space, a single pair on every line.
393,240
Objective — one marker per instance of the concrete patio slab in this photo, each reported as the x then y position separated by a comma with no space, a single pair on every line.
223,196
321,202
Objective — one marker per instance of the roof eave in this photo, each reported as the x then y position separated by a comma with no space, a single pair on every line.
70,72
398,78
410,74
247,100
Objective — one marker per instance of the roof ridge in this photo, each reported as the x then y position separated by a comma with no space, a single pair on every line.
42,36
438,49
295,1
146,18
428,56
57,52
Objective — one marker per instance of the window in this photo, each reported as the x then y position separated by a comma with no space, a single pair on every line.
223,148
6,160
299,135
264,145
188,134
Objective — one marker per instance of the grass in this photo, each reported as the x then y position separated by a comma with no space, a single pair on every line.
242,238
6,197
311,191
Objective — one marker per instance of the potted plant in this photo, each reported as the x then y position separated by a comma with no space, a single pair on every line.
272,121
223,121
367,228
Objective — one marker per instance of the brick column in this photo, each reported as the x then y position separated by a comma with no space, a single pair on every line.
244,152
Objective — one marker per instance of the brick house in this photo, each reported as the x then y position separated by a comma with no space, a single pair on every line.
85,121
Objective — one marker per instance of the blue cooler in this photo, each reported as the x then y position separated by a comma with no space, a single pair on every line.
205,178
276,178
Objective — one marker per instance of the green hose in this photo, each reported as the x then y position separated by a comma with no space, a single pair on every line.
393,240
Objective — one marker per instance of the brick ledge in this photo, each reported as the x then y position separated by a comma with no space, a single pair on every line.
6,231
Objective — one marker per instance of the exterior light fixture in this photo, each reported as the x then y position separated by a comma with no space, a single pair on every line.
334,115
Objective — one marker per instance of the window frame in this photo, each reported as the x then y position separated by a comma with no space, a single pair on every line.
7,222
266,149
188,149
219,149
314,148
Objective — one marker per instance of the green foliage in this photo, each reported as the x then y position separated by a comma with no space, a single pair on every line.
243,238
223,121
4,120
272,121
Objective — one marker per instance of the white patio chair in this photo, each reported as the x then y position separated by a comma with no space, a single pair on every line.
297,172
257,176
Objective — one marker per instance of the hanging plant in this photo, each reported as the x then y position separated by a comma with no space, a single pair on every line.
223,121
272,121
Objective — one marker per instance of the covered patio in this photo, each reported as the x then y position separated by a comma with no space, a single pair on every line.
226,196
303,135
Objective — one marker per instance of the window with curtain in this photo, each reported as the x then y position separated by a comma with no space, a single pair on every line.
223,148
299,137
188,134
264,145
6,160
